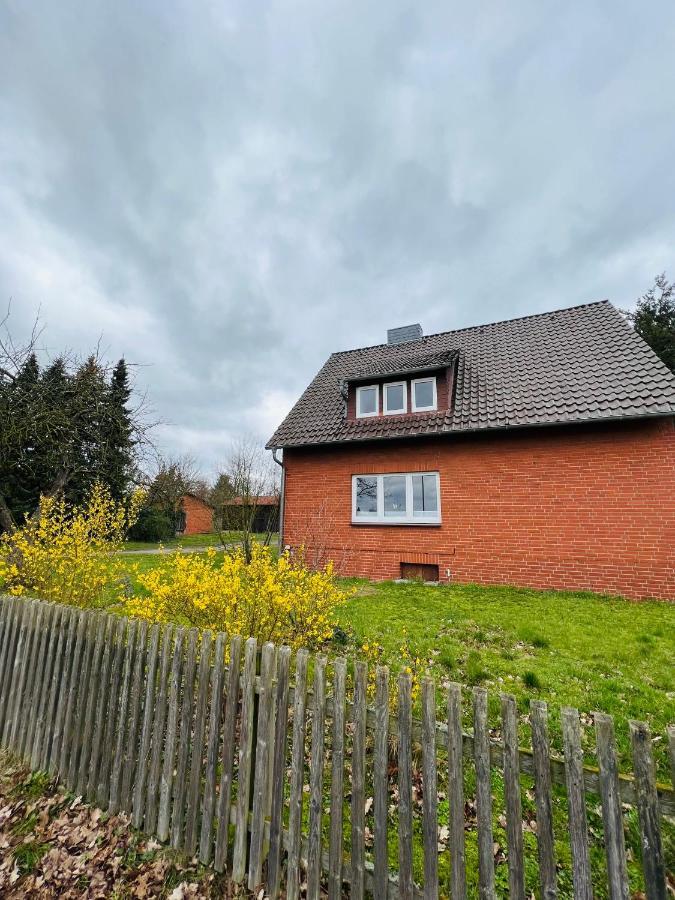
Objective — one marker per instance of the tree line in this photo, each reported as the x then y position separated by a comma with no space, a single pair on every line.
65,425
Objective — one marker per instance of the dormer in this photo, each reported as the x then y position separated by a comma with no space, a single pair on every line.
408,392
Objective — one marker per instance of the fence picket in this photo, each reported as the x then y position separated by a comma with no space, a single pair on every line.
316,781
270,755
187,702
23,663
157,737
227,755
648,811
166,778
542,795
405,870
576,804
261,775
26,695
117,762
92,693
456,793
158,723
14,668
245,756
131,755
57,761
34,684
481,749
514,817
615,847
358,806
201,703
143,765
6,617
101,709
109,733
335,851
430,789
13,611
278,773
213,741
42,682
85,688
75,689
40,695
671,749
50,733
42,708
381,783
297,775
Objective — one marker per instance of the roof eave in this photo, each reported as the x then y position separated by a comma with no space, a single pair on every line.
554,423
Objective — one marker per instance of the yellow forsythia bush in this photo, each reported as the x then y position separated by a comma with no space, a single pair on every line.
269,599
67,553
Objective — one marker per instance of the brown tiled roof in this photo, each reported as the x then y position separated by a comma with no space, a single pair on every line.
581,364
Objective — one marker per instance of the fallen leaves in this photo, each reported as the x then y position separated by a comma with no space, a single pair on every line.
54,846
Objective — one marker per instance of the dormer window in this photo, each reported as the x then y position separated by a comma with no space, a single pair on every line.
367,401
423,394
395,398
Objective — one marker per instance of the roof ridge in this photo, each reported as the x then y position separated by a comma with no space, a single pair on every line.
425,337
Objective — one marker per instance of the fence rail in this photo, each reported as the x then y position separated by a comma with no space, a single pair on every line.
210,744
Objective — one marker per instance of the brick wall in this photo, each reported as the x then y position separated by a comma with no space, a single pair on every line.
584,508
198,516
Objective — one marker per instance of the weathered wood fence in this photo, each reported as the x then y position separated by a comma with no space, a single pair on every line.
210,745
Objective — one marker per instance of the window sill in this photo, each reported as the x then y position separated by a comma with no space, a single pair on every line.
398,523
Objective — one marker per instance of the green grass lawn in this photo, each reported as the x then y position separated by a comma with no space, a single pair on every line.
569,649
575,649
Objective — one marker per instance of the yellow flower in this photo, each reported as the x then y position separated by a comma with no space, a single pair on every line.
277,600
67,553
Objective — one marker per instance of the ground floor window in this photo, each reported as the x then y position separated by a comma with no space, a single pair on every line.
410,498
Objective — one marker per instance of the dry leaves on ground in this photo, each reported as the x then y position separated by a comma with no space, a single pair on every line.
54,846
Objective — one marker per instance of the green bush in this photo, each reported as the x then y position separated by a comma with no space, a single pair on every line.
153,525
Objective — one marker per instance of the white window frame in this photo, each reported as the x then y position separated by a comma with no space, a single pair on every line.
379,518
385,407
415,407
367,387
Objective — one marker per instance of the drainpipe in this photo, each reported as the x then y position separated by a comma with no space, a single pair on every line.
280,462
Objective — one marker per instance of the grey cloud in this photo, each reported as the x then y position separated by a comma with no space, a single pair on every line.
229,192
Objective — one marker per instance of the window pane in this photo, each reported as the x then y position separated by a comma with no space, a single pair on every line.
394,397
424,393
367,401
366,496
394,495
425,495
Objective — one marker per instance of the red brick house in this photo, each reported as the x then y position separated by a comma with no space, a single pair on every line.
195,516
538,451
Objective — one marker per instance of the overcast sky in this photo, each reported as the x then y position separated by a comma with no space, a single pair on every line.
228,192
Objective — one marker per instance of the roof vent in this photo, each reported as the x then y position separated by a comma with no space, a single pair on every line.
404,334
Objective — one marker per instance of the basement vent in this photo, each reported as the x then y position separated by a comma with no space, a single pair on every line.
404,334
419,571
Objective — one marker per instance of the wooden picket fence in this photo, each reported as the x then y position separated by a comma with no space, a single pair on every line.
207,750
